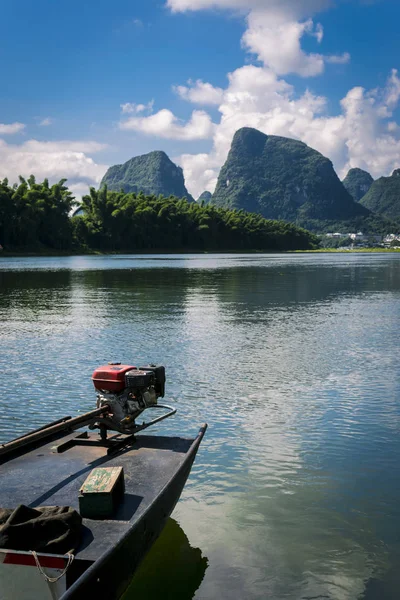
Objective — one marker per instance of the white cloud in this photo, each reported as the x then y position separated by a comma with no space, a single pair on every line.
66,146
54,160
364,134
200,170
80,189
292,7
11,128
318,33
392,90
276,42
46,122
200,92
165,124
341,59
131,108
371,142
274,32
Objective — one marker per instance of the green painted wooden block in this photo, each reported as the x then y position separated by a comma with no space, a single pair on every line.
102,492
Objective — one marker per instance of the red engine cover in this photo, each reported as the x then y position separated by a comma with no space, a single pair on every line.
111,378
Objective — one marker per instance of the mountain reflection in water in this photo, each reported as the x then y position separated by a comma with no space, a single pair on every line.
172,570
294,362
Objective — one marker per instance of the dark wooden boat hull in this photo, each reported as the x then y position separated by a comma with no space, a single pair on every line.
110,575
51,471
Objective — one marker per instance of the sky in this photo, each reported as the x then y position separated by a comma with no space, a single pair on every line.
86,85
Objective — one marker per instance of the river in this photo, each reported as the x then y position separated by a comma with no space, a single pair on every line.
293,360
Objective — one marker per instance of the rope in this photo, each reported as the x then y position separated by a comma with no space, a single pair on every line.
53,579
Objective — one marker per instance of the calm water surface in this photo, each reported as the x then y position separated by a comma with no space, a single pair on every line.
294,363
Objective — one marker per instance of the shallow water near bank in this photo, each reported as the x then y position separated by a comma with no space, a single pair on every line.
293,362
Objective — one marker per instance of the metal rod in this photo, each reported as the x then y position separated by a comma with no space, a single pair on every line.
117,445
171,412
62,420
110,424
69,425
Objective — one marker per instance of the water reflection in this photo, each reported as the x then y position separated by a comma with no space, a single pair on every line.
172,570
385,588
239,288
293,361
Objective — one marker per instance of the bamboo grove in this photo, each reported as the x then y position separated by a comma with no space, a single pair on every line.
36,217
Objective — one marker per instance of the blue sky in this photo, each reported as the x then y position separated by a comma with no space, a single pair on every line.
320,71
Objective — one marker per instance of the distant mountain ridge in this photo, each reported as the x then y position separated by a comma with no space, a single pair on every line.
279,178
383,197
152,173
204,197
282,178
357,182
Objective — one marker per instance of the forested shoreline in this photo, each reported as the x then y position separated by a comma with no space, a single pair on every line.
35,217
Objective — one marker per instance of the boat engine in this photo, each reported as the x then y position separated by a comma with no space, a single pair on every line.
125,392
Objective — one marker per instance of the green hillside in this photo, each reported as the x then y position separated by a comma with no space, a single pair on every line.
357,182
383,197
205,197
282,178
152,173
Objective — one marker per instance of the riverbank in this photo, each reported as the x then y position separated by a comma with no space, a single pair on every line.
27,254
345,251
48,253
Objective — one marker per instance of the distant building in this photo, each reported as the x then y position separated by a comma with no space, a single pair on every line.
390,238
358,237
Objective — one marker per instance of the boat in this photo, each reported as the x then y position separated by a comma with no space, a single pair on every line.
60,465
